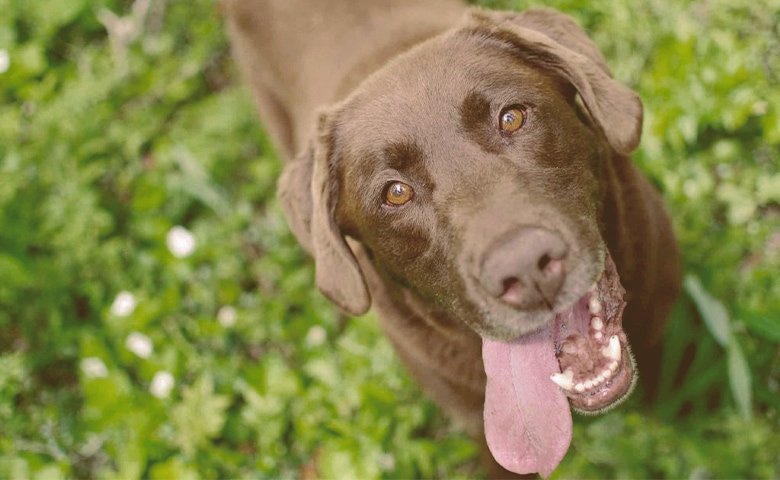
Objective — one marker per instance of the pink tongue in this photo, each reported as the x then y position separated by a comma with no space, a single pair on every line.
527,417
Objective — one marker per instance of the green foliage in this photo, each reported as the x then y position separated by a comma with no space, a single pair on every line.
119,124
716,319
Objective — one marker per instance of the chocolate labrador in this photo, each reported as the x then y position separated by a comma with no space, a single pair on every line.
467,173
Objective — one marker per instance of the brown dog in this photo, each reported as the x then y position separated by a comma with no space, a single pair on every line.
467,172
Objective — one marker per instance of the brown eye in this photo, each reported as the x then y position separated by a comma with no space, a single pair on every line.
398,193
512,119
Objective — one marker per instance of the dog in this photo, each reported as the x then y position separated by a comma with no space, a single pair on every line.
466,174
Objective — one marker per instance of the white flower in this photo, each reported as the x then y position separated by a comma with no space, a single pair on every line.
180,242
316,336
94,367
139,344
162,384
124,304
226,316
5,61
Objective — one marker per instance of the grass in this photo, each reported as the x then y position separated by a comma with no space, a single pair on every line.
119,124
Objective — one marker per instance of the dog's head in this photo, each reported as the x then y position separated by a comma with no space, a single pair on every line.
468,169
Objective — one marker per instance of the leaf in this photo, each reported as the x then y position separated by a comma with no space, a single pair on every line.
199,416
768,189
173,468
714,314
740,379
763,324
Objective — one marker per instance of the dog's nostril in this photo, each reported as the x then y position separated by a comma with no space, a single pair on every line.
554,267
509,283
512,291
544,261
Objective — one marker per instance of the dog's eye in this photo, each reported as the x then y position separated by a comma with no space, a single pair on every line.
511,119
398,193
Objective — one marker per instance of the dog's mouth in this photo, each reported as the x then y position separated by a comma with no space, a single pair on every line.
580,360
597,369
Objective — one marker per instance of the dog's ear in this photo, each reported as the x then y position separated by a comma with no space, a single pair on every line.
554,41
294,190
308,190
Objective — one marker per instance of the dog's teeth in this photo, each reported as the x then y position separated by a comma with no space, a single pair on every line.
594,305
613,366
579,388
564,380
597,323
612,351
588,384
598,336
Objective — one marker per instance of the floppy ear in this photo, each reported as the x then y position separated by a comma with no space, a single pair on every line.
552,40
309,192
337,272
294,191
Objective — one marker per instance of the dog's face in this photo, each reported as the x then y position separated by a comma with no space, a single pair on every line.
442,170
467,168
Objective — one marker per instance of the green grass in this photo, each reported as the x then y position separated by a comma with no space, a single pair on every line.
109,141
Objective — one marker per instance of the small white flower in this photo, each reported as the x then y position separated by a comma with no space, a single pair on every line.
180,242
124,304
162,384
5,61
94,367
226,316
316,336
139,344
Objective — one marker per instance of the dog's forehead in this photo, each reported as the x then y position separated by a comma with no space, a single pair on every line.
418,88
422,91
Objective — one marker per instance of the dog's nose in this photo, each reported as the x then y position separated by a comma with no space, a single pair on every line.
525,268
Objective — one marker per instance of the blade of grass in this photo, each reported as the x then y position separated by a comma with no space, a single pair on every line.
714,314
740,379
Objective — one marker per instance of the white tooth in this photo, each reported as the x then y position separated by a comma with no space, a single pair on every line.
596,323
563,380
613,366
594,305
612,350
606,374
598,336
588,384
579,387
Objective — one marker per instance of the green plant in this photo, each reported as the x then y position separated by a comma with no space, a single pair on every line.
129,348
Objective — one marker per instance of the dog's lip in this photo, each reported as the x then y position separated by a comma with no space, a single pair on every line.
597,368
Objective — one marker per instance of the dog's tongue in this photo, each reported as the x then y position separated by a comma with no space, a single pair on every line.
527,418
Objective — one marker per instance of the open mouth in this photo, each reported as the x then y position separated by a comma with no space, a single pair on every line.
597,369
580,360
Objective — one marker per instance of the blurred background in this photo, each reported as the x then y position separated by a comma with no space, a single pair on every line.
158,320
